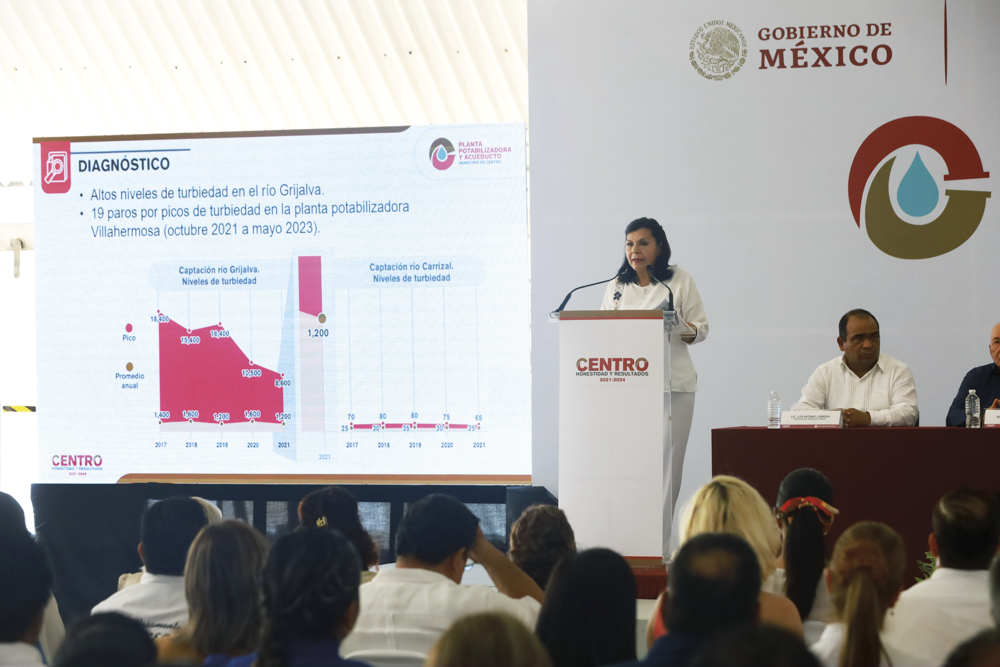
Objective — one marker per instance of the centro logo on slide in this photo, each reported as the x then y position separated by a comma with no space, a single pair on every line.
442,154
73,460
917,193
55,167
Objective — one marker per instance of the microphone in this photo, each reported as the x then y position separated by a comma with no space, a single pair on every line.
670,300
566,300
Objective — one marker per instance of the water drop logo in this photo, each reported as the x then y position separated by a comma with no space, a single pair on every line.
442,154
918,193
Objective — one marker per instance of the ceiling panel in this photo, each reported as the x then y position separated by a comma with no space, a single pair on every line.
93,67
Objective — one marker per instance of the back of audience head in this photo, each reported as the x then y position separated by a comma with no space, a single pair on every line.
488,640
168,528
590,595
222,587
539,538
756,646
865,577
714,584
966,529
981,650
25,585
805,510
435,529
730,505
11,513
106,640
335,508
310,592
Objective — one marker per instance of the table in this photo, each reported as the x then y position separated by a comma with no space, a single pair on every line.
893,475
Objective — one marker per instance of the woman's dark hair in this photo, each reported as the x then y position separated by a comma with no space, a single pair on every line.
11,513
310,581
106,639
661,269
804,550
539,538
588,617
25,582
334,507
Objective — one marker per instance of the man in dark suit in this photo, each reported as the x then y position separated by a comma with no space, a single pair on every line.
985,380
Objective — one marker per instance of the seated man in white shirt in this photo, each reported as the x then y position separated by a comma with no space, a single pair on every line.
870,388
408,607
935,615
157,601
25,585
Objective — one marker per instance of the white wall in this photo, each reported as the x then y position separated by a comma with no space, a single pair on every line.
18,431
749,178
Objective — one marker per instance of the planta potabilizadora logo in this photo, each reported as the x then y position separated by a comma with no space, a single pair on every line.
442,154
718,50
917,194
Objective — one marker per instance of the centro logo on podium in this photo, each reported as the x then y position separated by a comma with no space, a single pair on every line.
611,364
56,170
917,194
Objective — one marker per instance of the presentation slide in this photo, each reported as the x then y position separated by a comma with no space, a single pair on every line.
343,305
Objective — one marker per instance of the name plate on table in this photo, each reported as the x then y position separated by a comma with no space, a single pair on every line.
991,418
813,419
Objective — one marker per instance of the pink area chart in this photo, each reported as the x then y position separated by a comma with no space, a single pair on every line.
205,378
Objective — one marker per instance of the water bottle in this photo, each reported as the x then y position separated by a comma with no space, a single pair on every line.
972,410
774,411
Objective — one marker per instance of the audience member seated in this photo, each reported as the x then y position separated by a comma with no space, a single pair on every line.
168,528
730,505
714,586
757,646
311,585
865,578
25,588
935,615
593,595
407,608
212,515
221,584
995,590
53,630
982,650
335,508
539,538
805,514
107,640
488,640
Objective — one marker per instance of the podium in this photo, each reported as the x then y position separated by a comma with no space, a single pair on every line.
614,416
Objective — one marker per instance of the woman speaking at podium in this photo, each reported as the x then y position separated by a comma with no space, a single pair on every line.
642,284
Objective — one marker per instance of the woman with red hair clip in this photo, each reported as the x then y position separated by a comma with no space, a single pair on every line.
805,513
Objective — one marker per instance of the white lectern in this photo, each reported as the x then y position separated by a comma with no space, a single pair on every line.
612,428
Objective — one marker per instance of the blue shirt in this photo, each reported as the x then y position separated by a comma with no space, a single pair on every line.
986,381
674,649
302,653
223,660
